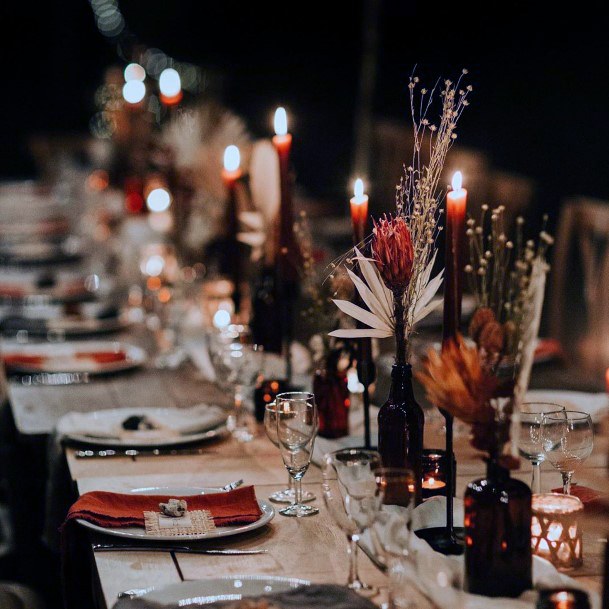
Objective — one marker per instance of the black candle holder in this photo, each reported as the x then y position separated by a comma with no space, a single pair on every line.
448,539
366,372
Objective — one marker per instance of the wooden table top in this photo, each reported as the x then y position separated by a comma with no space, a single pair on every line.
312,548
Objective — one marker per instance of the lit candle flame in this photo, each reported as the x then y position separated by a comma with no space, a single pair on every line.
431,481
170,84
457,182
358,188
281,121
232,158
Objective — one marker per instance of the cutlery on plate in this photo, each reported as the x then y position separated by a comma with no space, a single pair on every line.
131,452
111,547
134,592
231,486
52,379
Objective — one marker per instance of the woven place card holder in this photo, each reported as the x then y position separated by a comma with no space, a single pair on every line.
196,522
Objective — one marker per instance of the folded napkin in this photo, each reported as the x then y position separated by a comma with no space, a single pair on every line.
440,577
305,597
592,499
119,510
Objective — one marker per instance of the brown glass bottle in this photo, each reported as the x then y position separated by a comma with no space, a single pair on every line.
266,311
401,423
498,559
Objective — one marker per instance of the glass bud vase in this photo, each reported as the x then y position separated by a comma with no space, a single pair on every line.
401,425
333,400
498,558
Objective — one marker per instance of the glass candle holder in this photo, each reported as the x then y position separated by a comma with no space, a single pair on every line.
555,531
434,471
563,598
266,391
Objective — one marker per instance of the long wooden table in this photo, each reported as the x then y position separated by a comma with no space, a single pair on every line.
312,548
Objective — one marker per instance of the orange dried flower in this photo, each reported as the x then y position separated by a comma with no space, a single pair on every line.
492,338
393,251
455,380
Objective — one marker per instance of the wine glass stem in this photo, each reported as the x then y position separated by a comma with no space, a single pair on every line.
298,489
290,483
566,482
536,480
353,574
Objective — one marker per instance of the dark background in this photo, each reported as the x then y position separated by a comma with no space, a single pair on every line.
540,76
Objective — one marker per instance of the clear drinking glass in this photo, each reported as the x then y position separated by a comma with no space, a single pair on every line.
353,498
288,494
237,362
391,533
567,439
529,441
297,426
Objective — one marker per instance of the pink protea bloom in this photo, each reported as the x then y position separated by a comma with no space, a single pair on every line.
393,252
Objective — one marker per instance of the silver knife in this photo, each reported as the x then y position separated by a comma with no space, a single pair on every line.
156,452
110,547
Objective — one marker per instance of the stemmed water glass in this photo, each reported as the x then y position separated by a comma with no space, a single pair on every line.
529,441
236,362
297,426
353,498
391,533
288,494
567,439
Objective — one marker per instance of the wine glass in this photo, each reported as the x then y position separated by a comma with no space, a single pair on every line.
297,426
529,441
567,439
391,533
236,364
288,494
353,498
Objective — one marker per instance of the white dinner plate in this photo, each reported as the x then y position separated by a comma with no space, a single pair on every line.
207,591
72,357
135,533
594,404
177,426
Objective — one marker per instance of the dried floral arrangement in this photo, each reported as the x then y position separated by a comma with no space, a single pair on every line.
398,259
499,274
483,382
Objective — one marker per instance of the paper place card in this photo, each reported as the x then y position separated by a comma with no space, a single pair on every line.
167,522
197,522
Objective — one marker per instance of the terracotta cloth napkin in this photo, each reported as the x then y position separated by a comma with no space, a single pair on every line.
593,500
119,510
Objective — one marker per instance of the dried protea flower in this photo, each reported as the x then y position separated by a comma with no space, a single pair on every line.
393,251
481,317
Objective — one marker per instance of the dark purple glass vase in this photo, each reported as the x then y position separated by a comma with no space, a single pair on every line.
498,560
401,423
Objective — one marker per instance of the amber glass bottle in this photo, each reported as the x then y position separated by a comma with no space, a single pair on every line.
401,423
498,559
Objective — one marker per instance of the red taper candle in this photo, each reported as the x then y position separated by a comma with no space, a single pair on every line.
359,211
456,201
